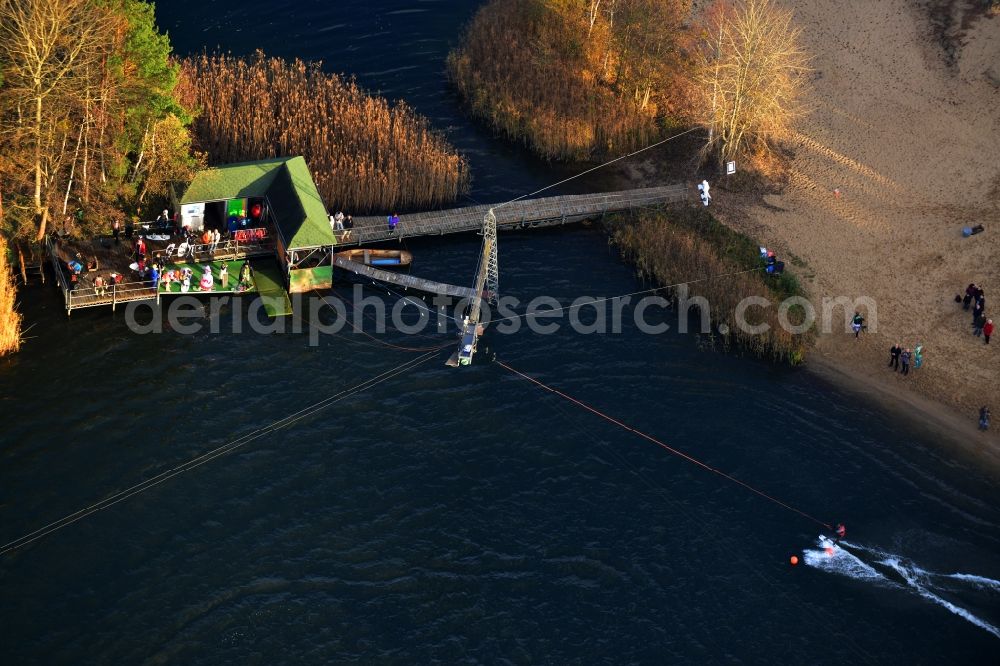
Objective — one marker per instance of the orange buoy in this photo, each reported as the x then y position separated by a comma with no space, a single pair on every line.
794,560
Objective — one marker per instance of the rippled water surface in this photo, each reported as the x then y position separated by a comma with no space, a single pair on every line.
466,515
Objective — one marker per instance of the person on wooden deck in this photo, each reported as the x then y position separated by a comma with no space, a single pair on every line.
393,223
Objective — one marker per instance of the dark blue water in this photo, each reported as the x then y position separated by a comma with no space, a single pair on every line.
464,515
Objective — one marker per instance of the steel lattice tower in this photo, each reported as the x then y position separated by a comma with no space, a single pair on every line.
490,246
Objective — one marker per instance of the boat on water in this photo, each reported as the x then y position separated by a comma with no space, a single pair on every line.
378,257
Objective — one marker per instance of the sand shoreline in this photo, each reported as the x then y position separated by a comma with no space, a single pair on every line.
900,150
905,125
956,433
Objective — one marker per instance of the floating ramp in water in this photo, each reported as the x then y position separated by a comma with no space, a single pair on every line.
403,280
267,279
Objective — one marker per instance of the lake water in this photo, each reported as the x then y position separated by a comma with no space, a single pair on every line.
466,515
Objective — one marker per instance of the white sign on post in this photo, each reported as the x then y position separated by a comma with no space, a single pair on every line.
730,168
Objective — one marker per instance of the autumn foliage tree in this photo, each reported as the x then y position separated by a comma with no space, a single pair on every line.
750,75
47,50
89,123
87,88
575,79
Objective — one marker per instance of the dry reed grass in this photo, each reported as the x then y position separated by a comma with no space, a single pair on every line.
670,247
10,318
365,155
538,77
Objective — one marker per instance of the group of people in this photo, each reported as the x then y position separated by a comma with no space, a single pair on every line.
116,230
902,356
185,278
771,263
208,238
975,298
211,238
342,225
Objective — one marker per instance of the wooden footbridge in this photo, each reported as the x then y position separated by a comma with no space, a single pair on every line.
524,214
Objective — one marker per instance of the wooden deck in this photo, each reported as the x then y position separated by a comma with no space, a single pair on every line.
403,280
527,213
117,257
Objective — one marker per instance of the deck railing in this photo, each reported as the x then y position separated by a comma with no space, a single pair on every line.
230,248
528,212
79,296
121,292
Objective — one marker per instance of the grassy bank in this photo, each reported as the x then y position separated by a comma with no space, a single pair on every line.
365,155
669,247
10,318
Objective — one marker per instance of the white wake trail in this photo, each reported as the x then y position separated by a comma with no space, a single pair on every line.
840,560
913,579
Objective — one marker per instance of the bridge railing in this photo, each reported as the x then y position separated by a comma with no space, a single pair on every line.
373,229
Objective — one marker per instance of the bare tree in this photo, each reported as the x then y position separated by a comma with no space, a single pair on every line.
750,74
593,11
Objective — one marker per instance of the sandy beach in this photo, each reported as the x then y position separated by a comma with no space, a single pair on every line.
904,121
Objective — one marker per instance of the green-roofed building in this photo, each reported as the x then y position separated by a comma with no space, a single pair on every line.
274,198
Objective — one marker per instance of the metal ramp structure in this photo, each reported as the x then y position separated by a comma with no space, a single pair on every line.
486,285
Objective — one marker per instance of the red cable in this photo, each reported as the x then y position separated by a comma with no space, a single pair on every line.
664,446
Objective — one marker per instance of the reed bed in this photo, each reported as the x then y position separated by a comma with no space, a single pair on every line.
537,77
365,155
671,247
10,318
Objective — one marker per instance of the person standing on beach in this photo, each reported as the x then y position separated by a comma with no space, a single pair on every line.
984,418
977,311
988,330
905,359
970,292
918,356
894,353
857,324
979,324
